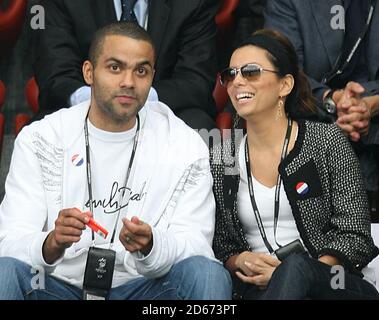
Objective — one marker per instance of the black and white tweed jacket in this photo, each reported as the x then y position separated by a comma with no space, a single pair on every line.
332,218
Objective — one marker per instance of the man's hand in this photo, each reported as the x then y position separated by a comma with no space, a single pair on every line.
353,112
136,235
68,229
356,121
257,268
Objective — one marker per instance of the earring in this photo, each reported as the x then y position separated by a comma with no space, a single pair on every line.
279,113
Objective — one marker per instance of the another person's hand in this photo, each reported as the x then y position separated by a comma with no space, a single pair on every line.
353,112
356,122
136,235
68,229
329,260
257,268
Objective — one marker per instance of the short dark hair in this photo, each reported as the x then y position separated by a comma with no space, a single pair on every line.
126,29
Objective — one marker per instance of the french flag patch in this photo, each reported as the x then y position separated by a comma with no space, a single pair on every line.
76,160
302,188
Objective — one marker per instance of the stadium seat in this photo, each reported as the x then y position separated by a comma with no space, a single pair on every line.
20,121
220,95
224,17
11,22
2,118
31,94
225,28
2,93
2,124
223,119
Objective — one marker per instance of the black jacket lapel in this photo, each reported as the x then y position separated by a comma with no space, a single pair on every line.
159,12
104,12
332,39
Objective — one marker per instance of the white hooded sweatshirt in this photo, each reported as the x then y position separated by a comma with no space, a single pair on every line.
48,174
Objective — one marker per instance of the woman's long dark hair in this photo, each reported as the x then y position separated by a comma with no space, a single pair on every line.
300,103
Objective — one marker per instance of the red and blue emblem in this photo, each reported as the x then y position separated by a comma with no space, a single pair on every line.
302,188
77,160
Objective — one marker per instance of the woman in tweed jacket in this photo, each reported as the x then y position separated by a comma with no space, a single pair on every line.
323,210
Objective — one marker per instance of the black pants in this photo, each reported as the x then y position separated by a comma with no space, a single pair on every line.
301,277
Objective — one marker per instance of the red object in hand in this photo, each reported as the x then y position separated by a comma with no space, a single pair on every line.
97,228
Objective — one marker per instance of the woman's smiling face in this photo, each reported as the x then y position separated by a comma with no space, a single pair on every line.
259,94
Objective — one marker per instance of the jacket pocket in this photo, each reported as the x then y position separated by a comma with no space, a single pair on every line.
304,183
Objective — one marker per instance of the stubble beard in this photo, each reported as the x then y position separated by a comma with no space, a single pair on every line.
109,108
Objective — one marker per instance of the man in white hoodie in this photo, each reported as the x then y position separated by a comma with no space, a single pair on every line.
131,166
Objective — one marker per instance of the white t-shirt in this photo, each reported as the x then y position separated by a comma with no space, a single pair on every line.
110,155
265,198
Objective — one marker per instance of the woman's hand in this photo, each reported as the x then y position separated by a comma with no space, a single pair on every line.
257,268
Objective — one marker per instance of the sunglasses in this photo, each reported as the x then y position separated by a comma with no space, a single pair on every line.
250,71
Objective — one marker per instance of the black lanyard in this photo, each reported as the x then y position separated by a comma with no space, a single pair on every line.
277,189
340,68
89,178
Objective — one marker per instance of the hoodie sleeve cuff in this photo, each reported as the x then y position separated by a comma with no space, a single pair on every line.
36,254
155,252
